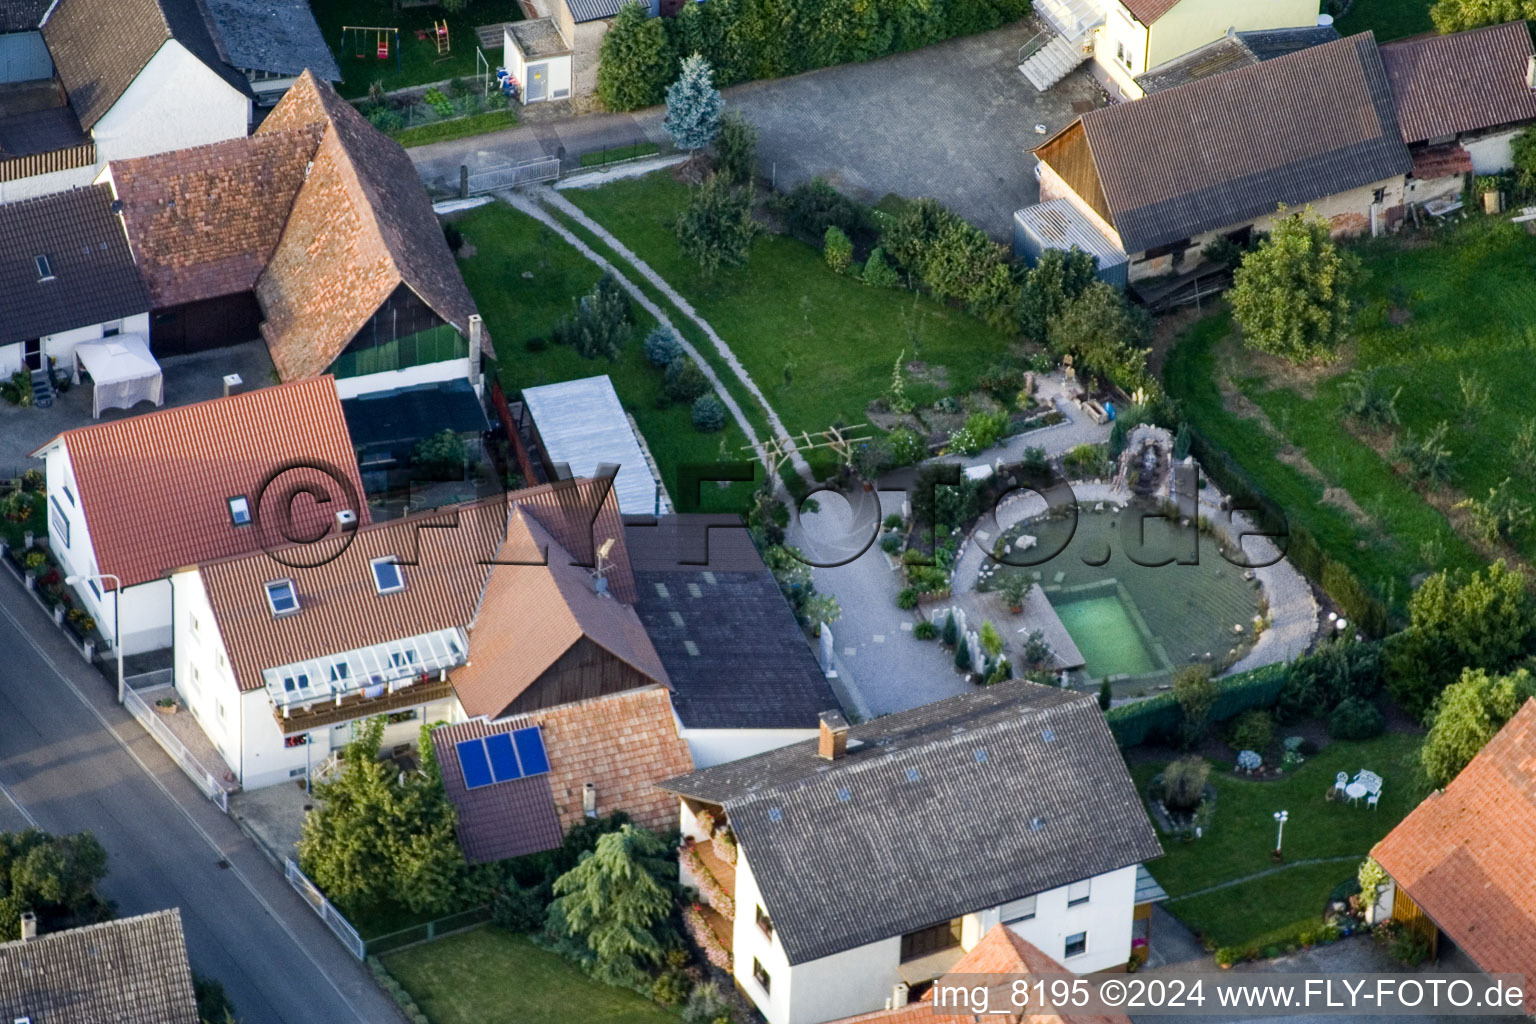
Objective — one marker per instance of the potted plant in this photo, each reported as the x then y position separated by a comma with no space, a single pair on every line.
166,705
1488,187
1012,590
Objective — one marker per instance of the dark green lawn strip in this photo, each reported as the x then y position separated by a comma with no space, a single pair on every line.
509,244
1266,911
488,976
457,128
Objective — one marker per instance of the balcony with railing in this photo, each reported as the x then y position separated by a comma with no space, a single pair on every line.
39,133
365,681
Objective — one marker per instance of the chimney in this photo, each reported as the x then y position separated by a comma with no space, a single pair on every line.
899,995
833,743
1530,73
476,329
28,926
589,800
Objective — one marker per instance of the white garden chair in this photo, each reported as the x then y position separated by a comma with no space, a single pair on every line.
1372,800
1341,780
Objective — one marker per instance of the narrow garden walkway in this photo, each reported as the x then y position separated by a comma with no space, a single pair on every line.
532,207
555,200
1229,883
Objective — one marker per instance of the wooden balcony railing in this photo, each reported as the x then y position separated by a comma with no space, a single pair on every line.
67,159
329,712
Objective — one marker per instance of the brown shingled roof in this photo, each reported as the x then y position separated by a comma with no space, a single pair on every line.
1004,954
1465,854
534,614
1148,11
361,226
1229,148
1445,85
205,221
622,743
155,488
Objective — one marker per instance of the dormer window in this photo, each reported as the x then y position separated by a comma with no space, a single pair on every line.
44,269
240,510
282,598
387,575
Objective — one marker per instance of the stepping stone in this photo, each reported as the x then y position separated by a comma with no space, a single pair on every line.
983,534
880,637
906,627
1058,577
849,652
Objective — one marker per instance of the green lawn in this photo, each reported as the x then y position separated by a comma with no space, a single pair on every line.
1396,533
456,128
419,61
820,345
488,976
615,153
1242,834
1390,19
509,244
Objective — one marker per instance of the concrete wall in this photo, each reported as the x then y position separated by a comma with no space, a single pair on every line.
427,373
175,102
1193,23
716,746
1490,152
586,44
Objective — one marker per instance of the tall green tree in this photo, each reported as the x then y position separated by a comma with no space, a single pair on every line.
1059,276
635,62
1466,716
612,908
1195,694
1103,334
736,147
1482,619
54,876
1459,15
1291,294
716,229
694,106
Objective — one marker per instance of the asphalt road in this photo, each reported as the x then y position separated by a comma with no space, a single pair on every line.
71,759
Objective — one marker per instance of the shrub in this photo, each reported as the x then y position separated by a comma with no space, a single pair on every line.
907,448
1196,695
685,382
906,598
1057,278
518,909
386,120
1426,454
671,987
706,1005
1106,695
1337,670
736,149
1366,399
1355,719
890,543
837,250
1184,783
1035,463
635,63
708,414
600,325
951,632
954,260
439,457
716,229
812,207
662,346
924,631
878,273
963,657
1253,730
453,236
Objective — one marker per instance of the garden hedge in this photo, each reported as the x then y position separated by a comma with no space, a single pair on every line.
1160,717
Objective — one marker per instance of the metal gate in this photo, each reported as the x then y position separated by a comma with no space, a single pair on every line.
512,175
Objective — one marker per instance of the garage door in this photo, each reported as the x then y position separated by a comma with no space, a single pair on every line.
199,326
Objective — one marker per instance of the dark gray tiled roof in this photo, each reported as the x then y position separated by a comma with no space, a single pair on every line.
94,277
22,15
592,10
40,131
279,36
1267,44
1228,148
132,971
946,809
754,668
1469,81
409,414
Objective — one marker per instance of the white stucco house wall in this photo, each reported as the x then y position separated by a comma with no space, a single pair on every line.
853,883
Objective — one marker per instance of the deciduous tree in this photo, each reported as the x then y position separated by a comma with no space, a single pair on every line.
1060,276
1467,714
1291,294
716,229
1459,15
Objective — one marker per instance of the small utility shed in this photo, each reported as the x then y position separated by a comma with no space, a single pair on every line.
581,423
1057,224
539,58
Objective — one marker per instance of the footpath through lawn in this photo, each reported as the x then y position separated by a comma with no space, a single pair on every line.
1242,833
504,246
819,344
489,976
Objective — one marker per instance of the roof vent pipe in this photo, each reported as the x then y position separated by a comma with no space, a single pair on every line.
833,741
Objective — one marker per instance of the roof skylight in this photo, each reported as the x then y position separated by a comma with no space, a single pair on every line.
281,597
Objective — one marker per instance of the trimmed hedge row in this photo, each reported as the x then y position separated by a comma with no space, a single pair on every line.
1337,580
1160,717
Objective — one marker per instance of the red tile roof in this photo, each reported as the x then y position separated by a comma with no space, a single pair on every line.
446,557
361,226
205,221
1000,952
1441,162
155,488
533,614
1445,85
1465,855
1148,11
622,743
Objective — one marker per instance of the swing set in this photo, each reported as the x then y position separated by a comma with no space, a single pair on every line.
382,37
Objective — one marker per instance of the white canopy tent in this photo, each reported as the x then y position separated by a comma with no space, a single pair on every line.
123,371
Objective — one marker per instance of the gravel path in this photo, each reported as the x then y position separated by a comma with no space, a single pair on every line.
557,201
530,205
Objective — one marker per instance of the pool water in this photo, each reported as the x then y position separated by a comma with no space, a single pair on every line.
1109,641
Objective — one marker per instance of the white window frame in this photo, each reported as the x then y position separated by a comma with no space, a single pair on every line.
1079,893
240,510
1021,909
293,593
378,583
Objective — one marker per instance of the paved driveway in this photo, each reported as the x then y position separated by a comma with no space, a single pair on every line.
75,760
955,121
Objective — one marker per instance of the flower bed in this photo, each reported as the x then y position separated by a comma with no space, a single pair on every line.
705,938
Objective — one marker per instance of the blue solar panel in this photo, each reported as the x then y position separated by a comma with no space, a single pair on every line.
503,760
477,770
530,750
